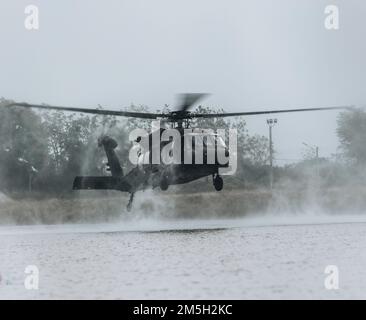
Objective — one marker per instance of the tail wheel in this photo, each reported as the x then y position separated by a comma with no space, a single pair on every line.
218,183
164,183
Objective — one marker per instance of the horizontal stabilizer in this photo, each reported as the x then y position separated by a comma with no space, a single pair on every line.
101,183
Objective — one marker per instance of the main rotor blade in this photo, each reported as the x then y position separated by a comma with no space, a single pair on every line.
143,115
252,113
187,100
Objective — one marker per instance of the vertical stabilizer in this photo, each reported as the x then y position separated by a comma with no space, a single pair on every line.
109,145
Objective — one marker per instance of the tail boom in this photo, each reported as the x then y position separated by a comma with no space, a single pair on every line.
101,183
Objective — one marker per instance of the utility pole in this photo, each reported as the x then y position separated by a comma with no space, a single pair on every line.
271,123
31,171
315,149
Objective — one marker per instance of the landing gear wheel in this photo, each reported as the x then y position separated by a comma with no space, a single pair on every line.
164,184
218,183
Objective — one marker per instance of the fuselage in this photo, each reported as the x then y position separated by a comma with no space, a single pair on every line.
173,166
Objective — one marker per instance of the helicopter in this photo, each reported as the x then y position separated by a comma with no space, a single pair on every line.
147,174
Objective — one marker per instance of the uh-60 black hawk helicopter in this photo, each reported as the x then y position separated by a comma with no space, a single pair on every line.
146,174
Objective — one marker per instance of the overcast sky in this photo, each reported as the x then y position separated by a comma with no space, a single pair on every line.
250,55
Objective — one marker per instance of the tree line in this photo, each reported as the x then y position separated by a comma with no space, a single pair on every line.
42,152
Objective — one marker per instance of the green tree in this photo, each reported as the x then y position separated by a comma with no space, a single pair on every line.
23,145
351,132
